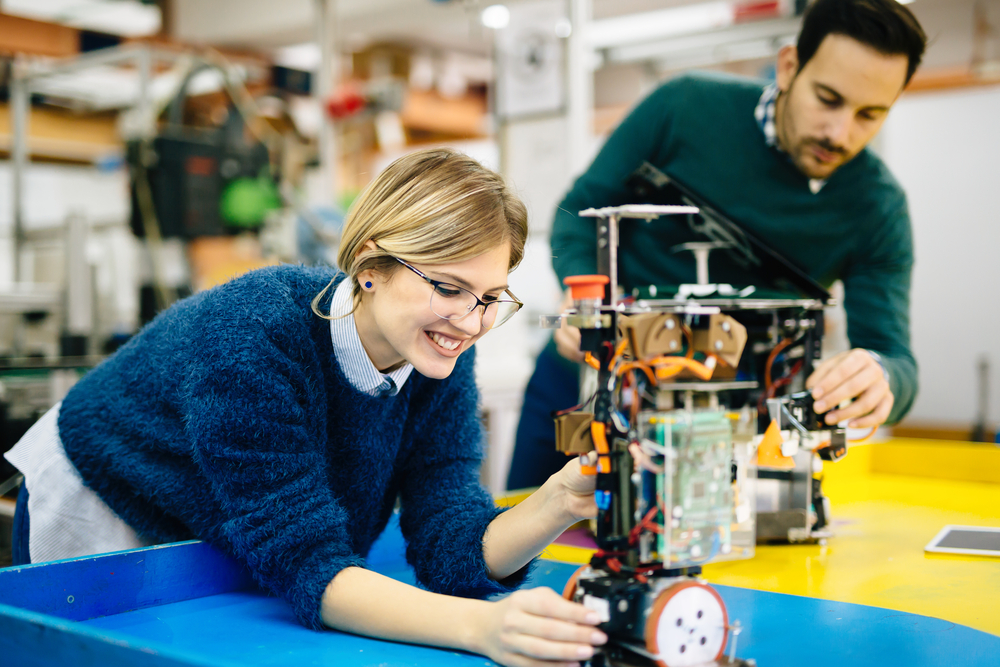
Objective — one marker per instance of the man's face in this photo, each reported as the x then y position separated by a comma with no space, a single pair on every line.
828,112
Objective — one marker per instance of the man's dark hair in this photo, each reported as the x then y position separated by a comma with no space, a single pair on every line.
884,25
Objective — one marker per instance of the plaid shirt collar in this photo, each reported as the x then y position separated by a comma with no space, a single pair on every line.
764,114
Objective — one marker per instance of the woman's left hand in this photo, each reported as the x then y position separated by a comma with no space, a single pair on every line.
577,489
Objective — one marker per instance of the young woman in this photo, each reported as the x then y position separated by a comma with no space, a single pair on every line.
249,417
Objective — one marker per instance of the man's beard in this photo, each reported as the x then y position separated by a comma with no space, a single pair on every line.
801,150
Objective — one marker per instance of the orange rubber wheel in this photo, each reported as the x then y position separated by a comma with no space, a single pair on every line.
570,587
687,625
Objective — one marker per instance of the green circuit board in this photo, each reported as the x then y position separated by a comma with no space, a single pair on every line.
695,488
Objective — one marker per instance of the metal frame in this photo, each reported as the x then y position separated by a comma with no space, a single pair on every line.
25,72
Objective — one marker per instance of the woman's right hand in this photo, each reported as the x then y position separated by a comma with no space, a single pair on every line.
538,627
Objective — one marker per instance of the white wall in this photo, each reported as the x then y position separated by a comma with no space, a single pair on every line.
53,192
943,148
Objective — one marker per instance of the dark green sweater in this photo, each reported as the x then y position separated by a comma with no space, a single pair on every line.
701,130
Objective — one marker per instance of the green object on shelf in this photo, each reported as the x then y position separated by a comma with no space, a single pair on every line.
245,202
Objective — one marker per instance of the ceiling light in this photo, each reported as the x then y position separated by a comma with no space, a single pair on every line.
495,17
127,18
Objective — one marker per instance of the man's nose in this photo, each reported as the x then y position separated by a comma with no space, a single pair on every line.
839,130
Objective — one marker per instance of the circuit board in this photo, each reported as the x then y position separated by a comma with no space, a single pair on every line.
694,491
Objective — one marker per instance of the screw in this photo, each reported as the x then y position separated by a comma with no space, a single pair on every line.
726,327
623,605
718,345
671,324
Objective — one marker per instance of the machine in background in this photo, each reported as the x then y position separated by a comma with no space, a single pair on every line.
697,387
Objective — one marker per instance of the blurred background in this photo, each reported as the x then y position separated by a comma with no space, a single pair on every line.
152,149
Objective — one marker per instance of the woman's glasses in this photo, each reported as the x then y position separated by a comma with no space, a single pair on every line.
453,303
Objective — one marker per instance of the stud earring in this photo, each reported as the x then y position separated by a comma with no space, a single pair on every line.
368,284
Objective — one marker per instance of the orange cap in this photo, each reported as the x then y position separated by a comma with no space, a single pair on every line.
586,287
769,450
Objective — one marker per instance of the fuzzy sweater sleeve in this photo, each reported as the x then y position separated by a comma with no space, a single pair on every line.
255,440
446,510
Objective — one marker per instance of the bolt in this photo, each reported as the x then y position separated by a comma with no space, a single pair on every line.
603,243
623,605
671,324
718,345
726,327
673,345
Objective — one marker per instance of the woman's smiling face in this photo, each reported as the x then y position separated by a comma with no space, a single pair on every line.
396,323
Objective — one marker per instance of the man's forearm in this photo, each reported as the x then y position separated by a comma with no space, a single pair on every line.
368,603
903,381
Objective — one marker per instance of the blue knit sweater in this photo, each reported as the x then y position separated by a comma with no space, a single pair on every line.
228,419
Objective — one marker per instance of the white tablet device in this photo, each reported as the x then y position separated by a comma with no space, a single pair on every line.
971,540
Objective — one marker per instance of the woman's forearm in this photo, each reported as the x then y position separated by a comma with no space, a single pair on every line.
368,603
522,532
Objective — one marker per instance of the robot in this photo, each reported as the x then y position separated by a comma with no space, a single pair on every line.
697,394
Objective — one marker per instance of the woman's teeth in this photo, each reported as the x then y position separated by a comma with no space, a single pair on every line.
446,343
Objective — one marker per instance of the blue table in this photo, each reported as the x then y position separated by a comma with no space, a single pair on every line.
186,604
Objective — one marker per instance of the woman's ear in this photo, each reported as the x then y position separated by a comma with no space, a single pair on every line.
367,280
368,247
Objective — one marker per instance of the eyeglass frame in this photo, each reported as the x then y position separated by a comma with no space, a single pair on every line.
479,302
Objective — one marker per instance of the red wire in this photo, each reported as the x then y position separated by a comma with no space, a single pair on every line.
778,384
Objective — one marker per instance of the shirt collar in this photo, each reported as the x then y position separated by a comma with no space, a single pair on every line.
351,355
764,115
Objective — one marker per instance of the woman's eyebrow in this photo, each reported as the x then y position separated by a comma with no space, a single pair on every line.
464,283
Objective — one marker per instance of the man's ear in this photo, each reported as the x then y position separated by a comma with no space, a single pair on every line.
787,67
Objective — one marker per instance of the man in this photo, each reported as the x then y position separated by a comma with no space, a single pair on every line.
789,163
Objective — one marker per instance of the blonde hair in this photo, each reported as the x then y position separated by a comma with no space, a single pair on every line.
433,206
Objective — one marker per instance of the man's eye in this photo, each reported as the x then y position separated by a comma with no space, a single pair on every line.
447,291
829,102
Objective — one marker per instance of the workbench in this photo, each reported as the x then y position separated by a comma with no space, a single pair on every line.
870,596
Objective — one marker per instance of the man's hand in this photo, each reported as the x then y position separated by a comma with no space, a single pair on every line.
539,628
568,338
853,375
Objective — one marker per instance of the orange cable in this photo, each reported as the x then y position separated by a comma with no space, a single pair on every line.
865,436
770,360
690,340
699,369
598,432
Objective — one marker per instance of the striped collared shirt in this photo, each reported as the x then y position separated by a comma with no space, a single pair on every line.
764,113
351,355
